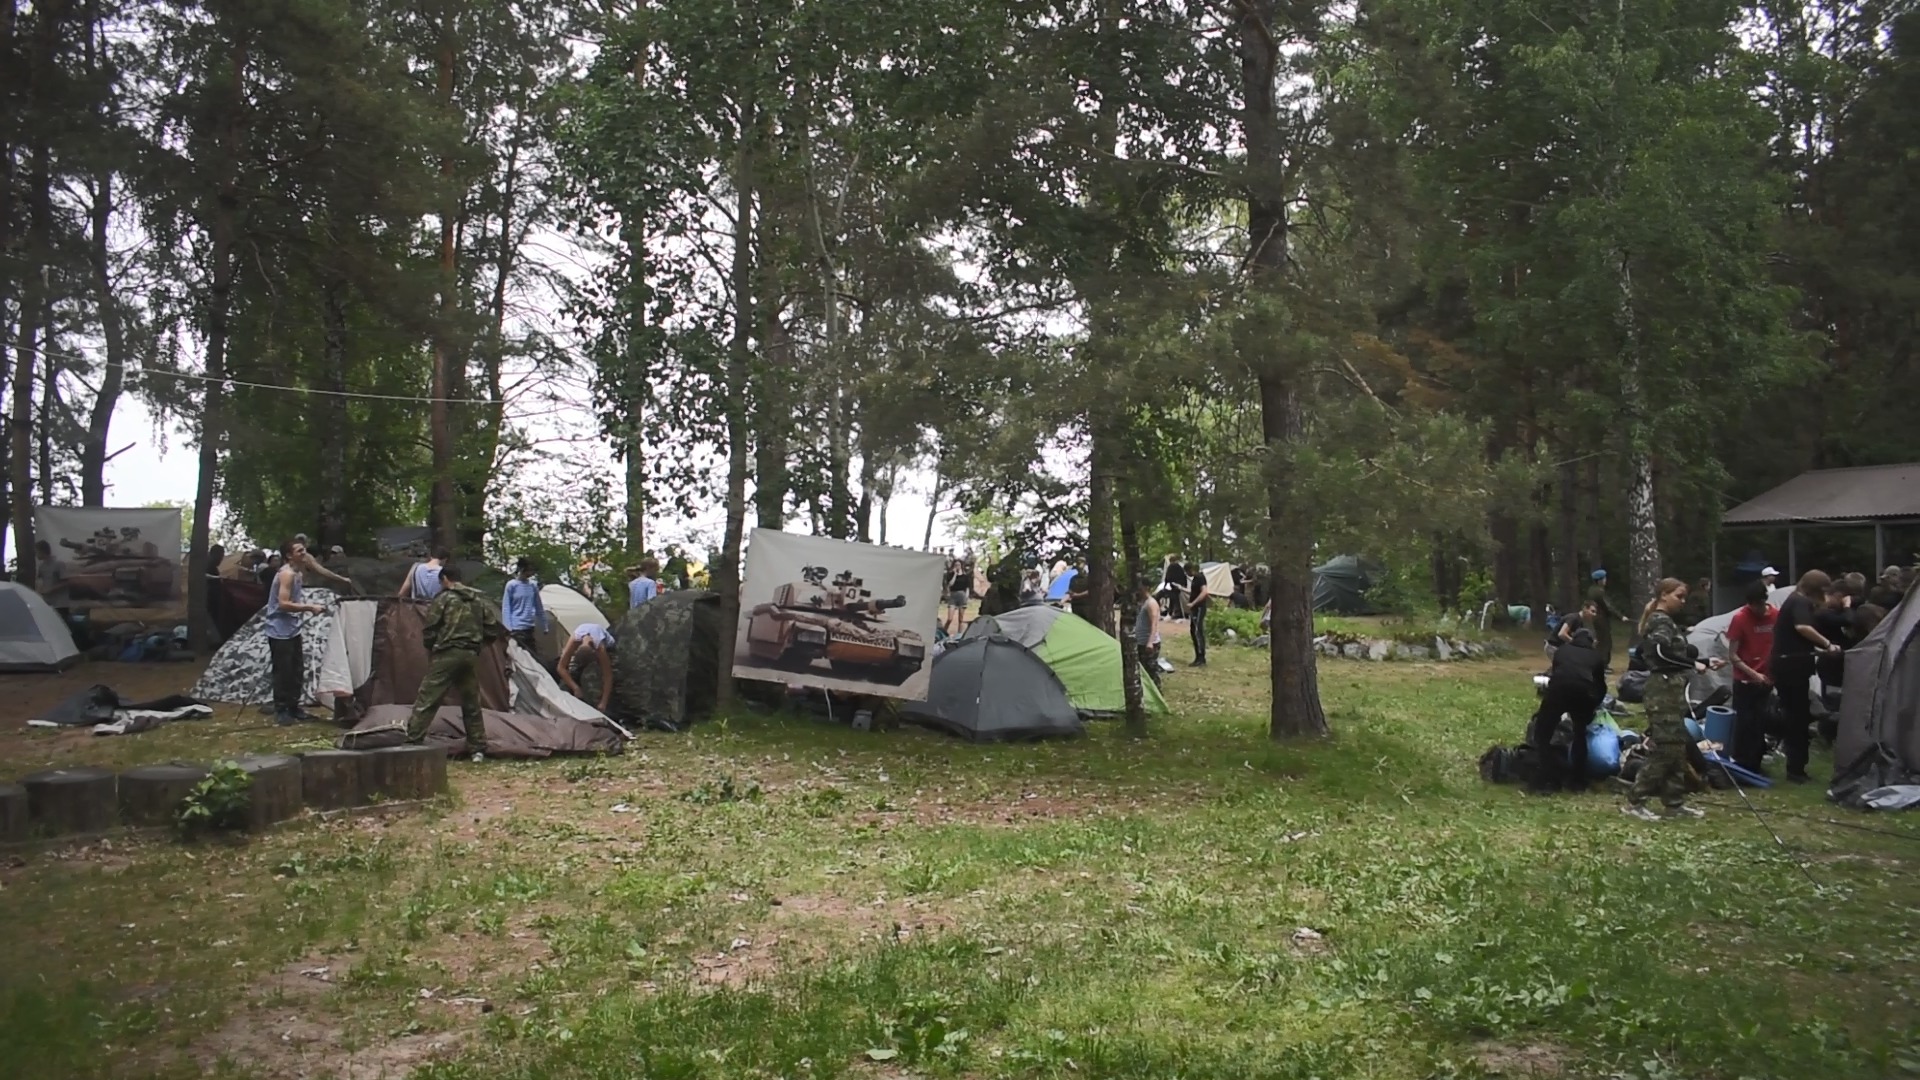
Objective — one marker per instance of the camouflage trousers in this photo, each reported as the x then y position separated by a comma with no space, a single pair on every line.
1665,772
453,670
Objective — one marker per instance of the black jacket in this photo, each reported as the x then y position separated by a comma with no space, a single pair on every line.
1576,666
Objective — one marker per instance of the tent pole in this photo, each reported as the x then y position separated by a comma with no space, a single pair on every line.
1793,556
1879,547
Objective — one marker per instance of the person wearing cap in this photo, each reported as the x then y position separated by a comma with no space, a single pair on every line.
1604,616
1770,578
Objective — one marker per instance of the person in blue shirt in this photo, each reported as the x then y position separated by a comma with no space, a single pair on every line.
520,607
643,586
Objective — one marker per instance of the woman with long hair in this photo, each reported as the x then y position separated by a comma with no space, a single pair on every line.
1670,663
1797,646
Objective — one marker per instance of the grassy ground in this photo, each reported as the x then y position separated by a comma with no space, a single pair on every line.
771,897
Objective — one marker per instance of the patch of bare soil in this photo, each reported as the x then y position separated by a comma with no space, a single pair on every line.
281,1033
284,1045
807,929
1010,809
1522,1061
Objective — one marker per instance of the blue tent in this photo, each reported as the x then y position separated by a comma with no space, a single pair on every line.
1058,590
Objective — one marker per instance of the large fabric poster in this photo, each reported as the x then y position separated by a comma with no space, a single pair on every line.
855,618
99,557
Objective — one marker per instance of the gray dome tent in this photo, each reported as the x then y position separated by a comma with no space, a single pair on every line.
991,688
1878,742
1340,586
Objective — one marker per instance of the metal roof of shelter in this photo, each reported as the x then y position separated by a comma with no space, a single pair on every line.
1873,493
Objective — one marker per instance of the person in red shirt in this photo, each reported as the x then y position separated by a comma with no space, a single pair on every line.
1749,645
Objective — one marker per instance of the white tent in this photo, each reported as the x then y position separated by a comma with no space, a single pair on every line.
32,635
566,609
1219,577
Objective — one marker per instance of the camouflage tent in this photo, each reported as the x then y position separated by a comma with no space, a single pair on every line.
666,660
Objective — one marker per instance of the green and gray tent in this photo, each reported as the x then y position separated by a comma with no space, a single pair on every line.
1086,661
988,689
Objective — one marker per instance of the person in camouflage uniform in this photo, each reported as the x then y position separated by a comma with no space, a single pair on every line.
457,626
1670,662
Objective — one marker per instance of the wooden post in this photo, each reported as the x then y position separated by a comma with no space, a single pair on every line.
1879,548
274,795
62,801
410,772
1713,575
13,813
336,779
1793,557
150,794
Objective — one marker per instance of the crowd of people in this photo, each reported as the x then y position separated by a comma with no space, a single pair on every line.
1776,651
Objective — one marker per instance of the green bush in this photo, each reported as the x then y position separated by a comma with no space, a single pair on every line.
216,804
1241,621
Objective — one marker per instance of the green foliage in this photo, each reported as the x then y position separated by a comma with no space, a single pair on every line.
1244,623
216,804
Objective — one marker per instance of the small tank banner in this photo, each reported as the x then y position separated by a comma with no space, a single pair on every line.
91,557
849,618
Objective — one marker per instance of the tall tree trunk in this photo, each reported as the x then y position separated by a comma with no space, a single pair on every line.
479,462
863,510
9,20
1100,510
224,229
770,398
444,512
839,461
933,500
1591,520
1642,532
1296,708
1136,709
726,574
1569,559
34,333
93,455
332,524
49,400
635,381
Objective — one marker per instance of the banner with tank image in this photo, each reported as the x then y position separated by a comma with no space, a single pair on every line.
837,615
108,557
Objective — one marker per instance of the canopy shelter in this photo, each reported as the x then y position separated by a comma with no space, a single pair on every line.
1878,497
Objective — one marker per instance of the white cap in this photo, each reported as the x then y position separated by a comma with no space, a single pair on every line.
1768,572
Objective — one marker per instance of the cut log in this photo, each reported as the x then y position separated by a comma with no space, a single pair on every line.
410,772
274,795
336,779
61,802
150,794
13,814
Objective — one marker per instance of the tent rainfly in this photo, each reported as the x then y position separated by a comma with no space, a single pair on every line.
1878,740
1086,661
990,688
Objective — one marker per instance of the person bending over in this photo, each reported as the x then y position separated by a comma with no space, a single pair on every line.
590,641
1576,685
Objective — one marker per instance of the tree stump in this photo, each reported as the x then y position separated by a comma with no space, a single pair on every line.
65,801
13,814
150,794
410,772
274,795
336,779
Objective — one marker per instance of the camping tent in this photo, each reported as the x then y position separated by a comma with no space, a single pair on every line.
566,609
241,672
526,712
1340,586
1878,742
666,659
1086,661
32,636
991,688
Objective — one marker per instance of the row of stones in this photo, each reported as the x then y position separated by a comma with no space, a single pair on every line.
83,801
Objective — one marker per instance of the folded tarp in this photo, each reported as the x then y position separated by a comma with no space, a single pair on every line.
100,707
509,735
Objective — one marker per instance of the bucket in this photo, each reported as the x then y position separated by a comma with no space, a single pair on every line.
1720,725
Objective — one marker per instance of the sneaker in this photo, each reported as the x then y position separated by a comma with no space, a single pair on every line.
1799,778
1686,811
1198,663
285,719
478,757
1634,810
